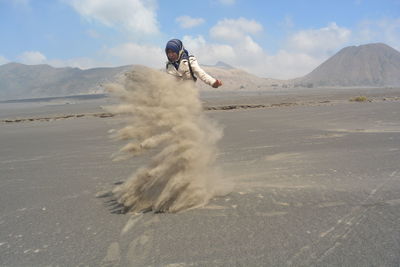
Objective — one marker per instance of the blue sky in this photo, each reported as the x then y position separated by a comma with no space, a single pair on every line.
277,39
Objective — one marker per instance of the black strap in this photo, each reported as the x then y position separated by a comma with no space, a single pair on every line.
191,71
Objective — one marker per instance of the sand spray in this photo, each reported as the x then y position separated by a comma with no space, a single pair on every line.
166,120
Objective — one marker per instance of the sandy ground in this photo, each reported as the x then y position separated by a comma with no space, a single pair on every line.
317,183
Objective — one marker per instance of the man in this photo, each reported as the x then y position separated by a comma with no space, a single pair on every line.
182,65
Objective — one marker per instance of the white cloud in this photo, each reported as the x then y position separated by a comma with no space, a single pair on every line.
82,63
236,45
243,55
303,52
35,57
319,41
287,65
189,22
3,60
385,30
123,54
293,60
250,45
231,30
93,34
227,2
32,58
137,16
208,53
233,43
132,53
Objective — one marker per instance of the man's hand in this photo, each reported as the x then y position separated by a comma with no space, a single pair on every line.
217,84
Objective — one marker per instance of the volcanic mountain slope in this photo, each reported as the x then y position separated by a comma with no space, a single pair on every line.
237,79
19,81
367,65
371,65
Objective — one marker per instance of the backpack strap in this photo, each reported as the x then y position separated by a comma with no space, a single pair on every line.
191,71
190,68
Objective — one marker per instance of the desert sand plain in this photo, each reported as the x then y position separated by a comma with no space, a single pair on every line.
316,183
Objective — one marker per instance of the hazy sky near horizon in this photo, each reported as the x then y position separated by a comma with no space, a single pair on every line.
277,39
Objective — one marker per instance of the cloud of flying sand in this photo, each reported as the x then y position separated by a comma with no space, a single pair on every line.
166,115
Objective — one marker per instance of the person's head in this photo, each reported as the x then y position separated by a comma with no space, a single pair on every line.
174,50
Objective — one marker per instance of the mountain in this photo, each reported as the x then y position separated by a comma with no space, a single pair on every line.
237,79
223,65
19,81
370,65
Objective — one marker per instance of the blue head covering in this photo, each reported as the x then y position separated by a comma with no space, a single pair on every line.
177,46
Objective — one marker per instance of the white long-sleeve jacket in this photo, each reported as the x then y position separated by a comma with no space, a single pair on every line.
183,71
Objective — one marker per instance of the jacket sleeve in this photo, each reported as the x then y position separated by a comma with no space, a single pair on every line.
169,68
200,73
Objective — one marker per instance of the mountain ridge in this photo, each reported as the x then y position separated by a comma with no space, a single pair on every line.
19,81
30,81
369,65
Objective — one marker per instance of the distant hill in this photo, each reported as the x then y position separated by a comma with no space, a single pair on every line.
19,81
237,79
370,65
